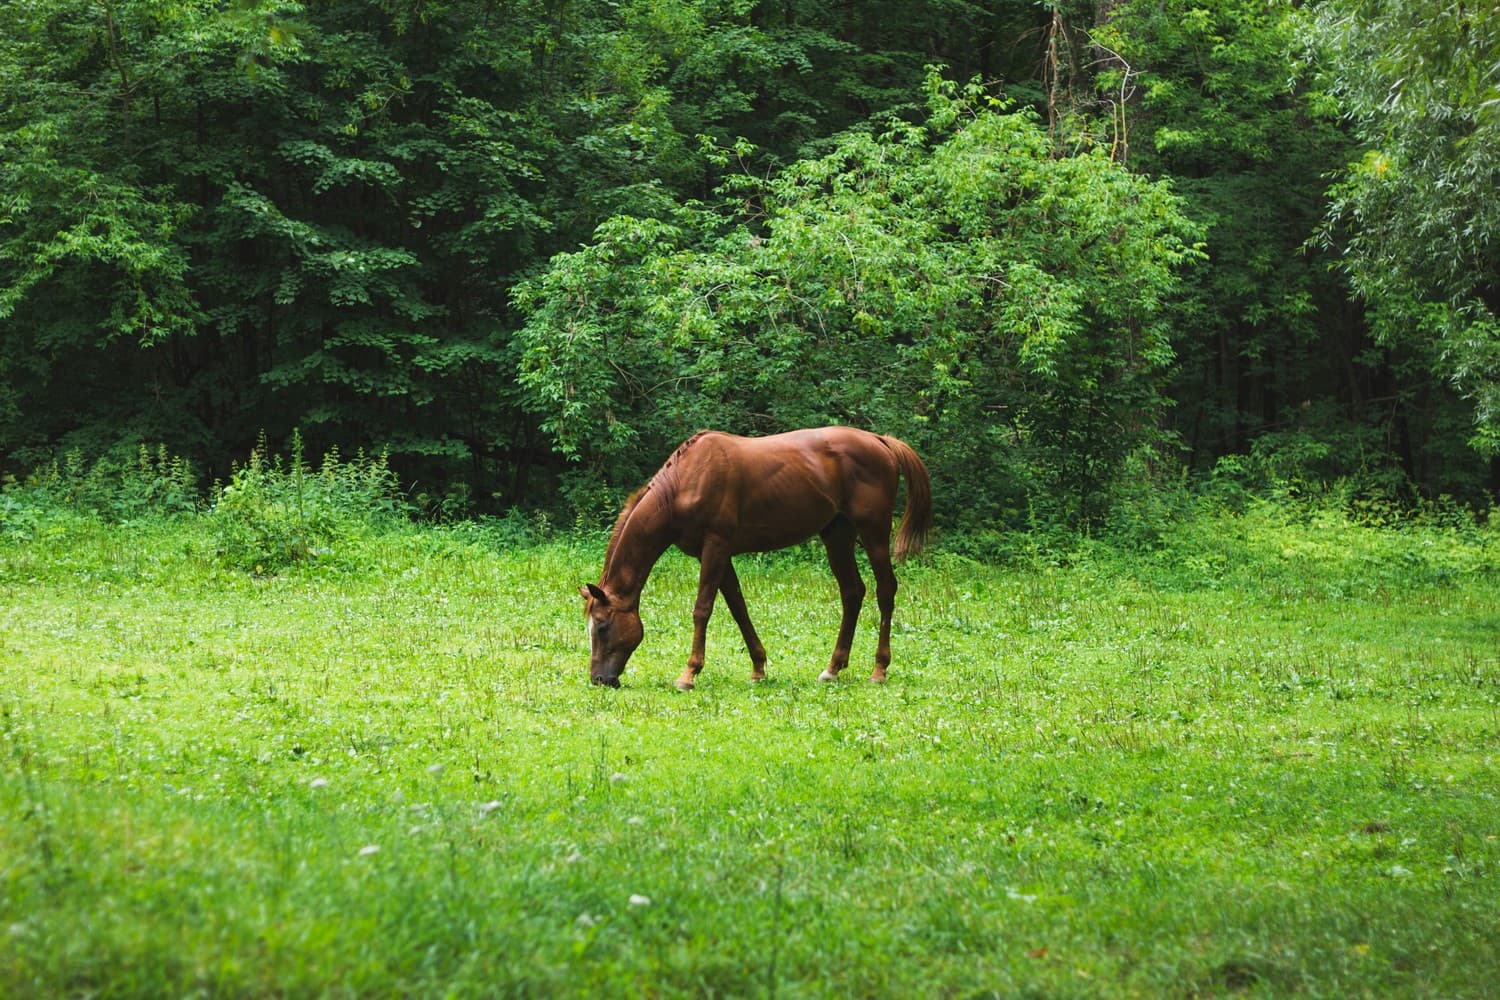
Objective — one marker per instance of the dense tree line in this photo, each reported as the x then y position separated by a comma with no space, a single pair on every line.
1065,247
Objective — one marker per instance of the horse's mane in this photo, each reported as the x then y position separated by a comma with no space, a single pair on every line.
663,482
677,453
625,511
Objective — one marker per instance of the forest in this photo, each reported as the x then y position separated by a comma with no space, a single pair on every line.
1080,253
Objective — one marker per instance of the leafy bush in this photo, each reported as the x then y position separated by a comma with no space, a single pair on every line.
275,513
18,519
957,283
1326,546
153,483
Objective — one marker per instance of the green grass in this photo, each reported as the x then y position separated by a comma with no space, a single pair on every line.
1262,761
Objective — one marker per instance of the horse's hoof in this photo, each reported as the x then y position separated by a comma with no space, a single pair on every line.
827,677
878,676
683,685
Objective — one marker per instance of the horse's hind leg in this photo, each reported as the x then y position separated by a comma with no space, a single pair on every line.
838,539
878,547
729,586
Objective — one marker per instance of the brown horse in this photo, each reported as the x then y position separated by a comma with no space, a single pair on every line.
719,495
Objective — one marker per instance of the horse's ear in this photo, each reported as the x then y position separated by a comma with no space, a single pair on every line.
592,591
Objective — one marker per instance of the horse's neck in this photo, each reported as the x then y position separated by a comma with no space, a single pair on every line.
640,542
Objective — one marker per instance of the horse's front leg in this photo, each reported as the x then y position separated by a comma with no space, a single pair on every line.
729,586
711,565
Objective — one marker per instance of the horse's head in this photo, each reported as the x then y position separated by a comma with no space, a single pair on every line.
614,632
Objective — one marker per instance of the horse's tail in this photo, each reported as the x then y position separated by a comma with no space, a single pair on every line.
916,520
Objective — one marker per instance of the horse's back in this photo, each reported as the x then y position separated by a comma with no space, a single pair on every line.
763,493
827,460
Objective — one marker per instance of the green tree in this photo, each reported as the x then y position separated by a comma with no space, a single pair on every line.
1415,214
1219,103
222,218
90,252
955,282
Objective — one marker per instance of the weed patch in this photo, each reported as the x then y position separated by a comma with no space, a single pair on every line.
275,514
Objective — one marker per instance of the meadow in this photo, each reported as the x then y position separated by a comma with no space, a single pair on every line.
1260,759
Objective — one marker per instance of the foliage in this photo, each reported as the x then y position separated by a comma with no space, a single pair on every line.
1415,212
155,485
954,283
1223,106
277,514
1261,762
221,219
1345,543
218,219
77,213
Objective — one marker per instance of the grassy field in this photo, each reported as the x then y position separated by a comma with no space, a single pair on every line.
1265,760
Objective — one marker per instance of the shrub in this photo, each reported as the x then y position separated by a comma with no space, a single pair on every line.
111,489
276,513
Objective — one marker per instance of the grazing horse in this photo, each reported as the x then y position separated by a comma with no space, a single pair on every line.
719,495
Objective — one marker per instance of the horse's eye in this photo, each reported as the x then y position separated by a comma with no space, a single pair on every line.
602,628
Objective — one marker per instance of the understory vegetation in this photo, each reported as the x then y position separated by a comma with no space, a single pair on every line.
1254,753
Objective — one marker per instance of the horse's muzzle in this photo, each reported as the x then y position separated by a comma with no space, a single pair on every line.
602,681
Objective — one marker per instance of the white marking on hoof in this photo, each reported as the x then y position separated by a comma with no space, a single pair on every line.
827,677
